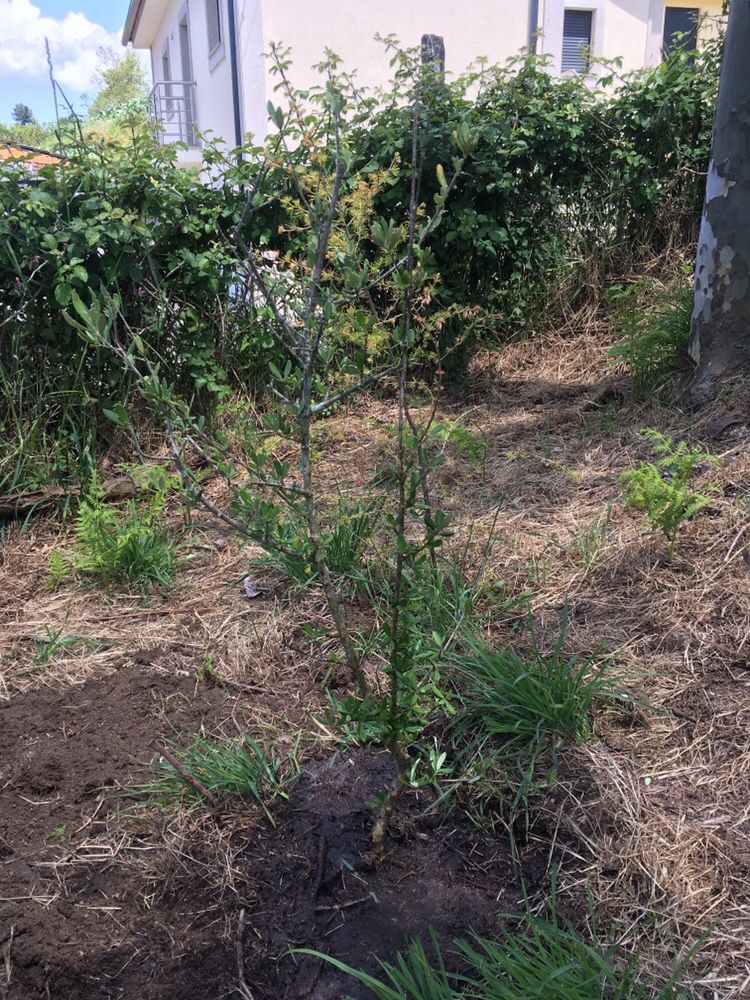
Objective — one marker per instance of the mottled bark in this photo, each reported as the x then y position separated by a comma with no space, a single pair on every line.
433,52
720,329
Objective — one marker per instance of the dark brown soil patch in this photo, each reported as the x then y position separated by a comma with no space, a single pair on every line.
73,922
317,886
79,927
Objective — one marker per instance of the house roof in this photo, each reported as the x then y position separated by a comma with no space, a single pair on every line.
131,21
30,157
142,22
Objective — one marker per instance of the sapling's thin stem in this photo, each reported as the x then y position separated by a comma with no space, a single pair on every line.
400,653
672,545
311,337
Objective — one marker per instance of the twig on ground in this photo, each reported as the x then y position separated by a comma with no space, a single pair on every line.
342,906
199,787
7,961
740,533
243,988
320,868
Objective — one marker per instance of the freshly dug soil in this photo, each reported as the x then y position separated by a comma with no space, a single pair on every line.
317,887
73,922
80,920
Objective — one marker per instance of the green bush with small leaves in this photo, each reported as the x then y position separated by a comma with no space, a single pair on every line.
564,185
663,488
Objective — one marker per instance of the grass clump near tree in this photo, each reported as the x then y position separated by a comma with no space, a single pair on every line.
210,770
517,709
651,325
346,535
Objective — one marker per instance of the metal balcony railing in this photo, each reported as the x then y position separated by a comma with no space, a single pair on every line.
172,112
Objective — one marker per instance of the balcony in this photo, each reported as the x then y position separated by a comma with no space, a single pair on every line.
172,112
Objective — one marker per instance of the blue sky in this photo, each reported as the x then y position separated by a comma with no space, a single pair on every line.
75,29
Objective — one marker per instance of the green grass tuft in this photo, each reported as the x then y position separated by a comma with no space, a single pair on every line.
651,325
535,960
517,708
223,768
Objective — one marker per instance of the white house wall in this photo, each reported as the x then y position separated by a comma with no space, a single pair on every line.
628,29
214,111
631,25
255,88
497,29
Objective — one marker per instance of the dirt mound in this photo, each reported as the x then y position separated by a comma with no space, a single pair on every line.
82,919
318,888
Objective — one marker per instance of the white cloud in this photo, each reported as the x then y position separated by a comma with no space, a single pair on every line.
73,41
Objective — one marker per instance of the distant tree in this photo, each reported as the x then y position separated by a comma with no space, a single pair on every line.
22,114
121,80
32,134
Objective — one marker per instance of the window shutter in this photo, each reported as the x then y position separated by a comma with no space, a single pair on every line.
681,28
576,41
213,19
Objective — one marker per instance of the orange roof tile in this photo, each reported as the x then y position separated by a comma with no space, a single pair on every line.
27,156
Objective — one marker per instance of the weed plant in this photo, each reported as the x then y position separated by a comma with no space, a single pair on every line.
55,641
123,547
652,326
344,540
663,488
589,543
517,708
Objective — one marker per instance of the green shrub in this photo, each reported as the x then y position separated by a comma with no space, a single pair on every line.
562,182
123,547
662,488
652,327
564,186
123,221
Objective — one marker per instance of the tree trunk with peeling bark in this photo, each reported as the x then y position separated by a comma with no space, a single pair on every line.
720,328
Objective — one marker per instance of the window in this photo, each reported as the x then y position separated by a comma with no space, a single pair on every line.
166,67
576,41
166,75
680,29
213,19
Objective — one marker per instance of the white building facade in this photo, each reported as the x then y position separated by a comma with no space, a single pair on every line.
210,73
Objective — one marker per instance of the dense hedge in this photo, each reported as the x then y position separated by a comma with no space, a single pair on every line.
564,186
